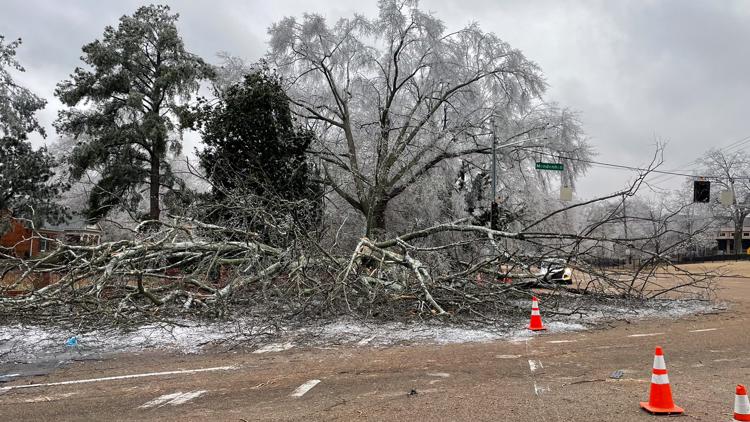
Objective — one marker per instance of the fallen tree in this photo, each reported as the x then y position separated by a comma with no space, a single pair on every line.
451,270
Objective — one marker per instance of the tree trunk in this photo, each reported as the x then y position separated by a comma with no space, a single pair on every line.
738,250
376,226
154,210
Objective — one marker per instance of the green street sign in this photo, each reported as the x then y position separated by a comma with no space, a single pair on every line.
549,166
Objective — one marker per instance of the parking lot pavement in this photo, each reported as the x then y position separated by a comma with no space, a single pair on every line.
566,377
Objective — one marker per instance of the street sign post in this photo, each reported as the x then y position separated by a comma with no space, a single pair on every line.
549,166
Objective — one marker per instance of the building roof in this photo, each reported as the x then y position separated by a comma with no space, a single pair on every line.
76,224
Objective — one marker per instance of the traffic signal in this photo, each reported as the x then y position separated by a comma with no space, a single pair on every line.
701,191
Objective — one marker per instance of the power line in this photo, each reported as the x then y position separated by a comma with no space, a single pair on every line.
624,167
734,145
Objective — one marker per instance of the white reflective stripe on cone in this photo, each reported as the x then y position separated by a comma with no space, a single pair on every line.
659,379
741,405
535,312
659,362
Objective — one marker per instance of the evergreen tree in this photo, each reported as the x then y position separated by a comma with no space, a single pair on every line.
135,89
18,105
27,188
255,151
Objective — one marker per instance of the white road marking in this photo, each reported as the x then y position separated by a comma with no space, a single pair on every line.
173,399
561,341
52,397
645,335
161,400
507,356
539,390
535,364
10,375
187,397
274,347
439,374
365,341
304,388
703,330
121,377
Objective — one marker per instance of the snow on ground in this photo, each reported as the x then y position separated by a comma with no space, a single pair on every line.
21,343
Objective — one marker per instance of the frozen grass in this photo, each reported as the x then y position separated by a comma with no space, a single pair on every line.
22,343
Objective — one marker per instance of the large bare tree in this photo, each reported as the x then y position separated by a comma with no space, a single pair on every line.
394,97
730,171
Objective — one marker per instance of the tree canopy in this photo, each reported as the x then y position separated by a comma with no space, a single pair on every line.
396,97
27,188
18,105
27,185
730,171
125,108
253,149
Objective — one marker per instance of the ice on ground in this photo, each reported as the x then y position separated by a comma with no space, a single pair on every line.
274,347
24,343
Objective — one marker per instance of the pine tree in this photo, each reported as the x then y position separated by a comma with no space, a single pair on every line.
138,78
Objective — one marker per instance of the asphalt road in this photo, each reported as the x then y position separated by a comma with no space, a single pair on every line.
562,377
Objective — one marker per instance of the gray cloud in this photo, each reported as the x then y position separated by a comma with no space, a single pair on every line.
636,71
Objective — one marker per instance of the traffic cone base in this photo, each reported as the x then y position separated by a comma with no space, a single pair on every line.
533,328
536,319
660,395
674,410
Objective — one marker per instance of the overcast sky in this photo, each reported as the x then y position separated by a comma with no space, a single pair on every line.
636,71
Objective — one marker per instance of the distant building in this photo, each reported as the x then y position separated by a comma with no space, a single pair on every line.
20,241
725,240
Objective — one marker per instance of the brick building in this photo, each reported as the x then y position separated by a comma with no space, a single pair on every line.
19,240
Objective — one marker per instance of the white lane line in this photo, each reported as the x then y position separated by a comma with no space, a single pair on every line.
10,375
304,388
535,364
507,356
645,335
561,341
121,377
703,330
439,374
173,399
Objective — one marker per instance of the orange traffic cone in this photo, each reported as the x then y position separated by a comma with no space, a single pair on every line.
741,404
536,318
660,397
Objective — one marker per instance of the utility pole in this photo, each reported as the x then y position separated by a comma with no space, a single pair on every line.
625,224
493,205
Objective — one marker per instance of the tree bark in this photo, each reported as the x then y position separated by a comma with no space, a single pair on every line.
376,222
154,210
